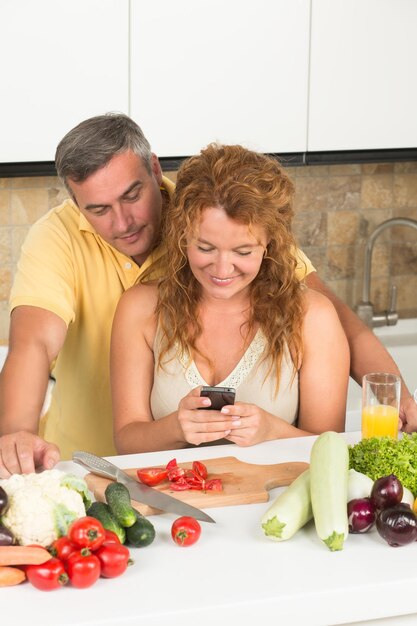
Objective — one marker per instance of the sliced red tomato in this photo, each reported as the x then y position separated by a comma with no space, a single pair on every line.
214,484
175,473
180,485
152,475
171,464
200,469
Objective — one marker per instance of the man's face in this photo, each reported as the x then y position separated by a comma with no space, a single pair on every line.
123,203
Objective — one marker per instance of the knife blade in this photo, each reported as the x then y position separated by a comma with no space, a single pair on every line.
138,491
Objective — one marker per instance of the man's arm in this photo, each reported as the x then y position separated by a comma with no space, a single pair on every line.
367,353
36,336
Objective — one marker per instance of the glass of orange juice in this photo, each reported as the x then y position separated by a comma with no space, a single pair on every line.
380,405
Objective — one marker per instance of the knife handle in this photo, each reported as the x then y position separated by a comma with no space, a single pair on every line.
96,464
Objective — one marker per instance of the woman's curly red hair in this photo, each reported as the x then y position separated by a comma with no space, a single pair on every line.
251,188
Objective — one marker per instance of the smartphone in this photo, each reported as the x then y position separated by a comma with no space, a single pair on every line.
219,396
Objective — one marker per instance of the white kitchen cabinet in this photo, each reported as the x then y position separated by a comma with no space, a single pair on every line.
234,72
61,62
363,63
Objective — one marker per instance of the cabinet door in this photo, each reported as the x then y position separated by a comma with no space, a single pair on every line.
363,87
61,62
233,71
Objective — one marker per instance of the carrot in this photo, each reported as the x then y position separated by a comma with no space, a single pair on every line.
23,555
11,576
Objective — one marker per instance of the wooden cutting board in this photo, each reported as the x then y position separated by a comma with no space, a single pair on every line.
243,483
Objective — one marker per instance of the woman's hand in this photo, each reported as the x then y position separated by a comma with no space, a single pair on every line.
202,426
251,424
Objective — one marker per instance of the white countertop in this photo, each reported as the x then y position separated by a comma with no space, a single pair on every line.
234,572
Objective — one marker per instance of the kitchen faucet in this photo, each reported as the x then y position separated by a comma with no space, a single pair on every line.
365,309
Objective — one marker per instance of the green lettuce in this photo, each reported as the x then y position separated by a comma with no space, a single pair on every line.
381,456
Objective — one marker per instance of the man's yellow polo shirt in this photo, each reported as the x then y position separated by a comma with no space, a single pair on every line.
66,268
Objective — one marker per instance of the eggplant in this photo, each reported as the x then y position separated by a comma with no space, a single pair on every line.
6,536
4,501
387,491
397,525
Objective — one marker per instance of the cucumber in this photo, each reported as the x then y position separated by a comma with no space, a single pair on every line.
142,533
290,511
118,498
102,512
329,472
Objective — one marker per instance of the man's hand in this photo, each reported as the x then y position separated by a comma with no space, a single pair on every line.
23,452
408,414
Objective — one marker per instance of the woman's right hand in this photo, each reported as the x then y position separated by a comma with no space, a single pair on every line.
201,426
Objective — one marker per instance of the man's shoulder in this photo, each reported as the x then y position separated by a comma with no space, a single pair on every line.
62,222
64,214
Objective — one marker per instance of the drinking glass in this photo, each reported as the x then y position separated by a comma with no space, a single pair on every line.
380,405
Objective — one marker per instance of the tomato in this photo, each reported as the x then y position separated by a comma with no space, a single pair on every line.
62,548
152,475
47,576
185,531
181,484
110,537
214,484
200,469
171,464
113,558
83,568
86,532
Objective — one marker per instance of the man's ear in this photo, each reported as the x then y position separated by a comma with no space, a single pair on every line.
156,168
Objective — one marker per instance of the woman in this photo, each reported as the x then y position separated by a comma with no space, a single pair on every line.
230,311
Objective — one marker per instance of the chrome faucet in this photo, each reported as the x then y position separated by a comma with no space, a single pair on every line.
365,309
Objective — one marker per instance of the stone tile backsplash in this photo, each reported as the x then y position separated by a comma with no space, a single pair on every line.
337,207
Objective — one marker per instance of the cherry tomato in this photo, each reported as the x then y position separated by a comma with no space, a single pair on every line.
110,537
113,558
152,475
62,548
83,568
185,531
86,532
47,576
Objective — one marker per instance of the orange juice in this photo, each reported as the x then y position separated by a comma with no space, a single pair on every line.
379,421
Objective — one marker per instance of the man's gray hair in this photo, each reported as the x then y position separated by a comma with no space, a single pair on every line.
92,143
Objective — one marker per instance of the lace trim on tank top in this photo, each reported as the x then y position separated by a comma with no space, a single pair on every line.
238,375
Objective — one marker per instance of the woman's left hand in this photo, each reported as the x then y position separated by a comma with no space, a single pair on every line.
250,424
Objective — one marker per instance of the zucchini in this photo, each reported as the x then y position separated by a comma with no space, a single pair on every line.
329,472
101,512
290,511
118,498
142,533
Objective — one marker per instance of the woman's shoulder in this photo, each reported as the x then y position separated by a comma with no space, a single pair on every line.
138,301
317,305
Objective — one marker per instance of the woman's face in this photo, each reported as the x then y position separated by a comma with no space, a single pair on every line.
224,255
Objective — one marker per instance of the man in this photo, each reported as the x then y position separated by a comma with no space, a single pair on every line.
76,262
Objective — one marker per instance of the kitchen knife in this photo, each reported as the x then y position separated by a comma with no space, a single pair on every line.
138,491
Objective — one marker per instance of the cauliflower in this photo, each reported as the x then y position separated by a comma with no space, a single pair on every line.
42,506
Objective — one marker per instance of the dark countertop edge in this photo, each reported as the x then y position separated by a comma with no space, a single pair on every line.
171,164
